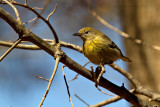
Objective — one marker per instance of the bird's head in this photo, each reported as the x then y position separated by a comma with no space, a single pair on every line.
88,33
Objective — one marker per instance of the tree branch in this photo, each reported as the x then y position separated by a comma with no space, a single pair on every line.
58,57
10,49
39,16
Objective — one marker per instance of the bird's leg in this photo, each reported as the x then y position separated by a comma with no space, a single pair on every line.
102,70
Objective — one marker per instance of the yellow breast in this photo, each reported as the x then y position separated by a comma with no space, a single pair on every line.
91,50
98,51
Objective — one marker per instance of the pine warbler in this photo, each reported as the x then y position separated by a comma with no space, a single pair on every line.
99,48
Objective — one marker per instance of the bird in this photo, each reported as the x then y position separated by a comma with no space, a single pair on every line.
99,48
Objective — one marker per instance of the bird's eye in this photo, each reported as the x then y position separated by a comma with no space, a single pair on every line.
86,32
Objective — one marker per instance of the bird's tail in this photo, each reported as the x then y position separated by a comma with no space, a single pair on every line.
124,58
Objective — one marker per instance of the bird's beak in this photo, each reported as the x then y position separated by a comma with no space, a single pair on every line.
77,34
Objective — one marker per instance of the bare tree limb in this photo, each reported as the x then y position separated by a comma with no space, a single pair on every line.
109,101
51,79
15,10
25,3
134,82
81,100
67,85
78,74
39,16
10,49
41,12
42,78
35,47
54,10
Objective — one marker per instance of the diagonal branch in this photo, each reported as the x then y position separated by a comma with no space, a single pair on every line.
51,79
10,49
54,10
134,82
42,78
15,10
35,47
67,85
81,100
109,101
39,16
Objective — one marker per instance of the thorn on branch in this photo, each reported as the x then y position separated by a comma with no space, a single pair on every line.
122,85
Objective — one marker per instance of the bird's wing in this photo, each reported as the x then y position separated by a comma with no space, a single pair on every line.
110,43
113,45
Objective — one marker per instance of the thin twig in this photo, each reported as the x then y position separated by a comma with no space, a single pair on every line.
15,10
34,47
76,77
50,81
30,20
86,63
20,46
37,8
67,85
25,3
125,35
41,12
78,74
81,100
41,17
109,101
134,82
54,10
104,92
42,78
10,49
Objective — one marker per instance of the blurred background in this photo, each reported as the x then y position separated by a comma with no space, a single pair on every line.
20,88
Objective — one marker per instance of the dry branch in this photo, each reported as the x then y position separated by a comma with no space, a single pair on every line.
58,57
70,99
10,49
35,47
